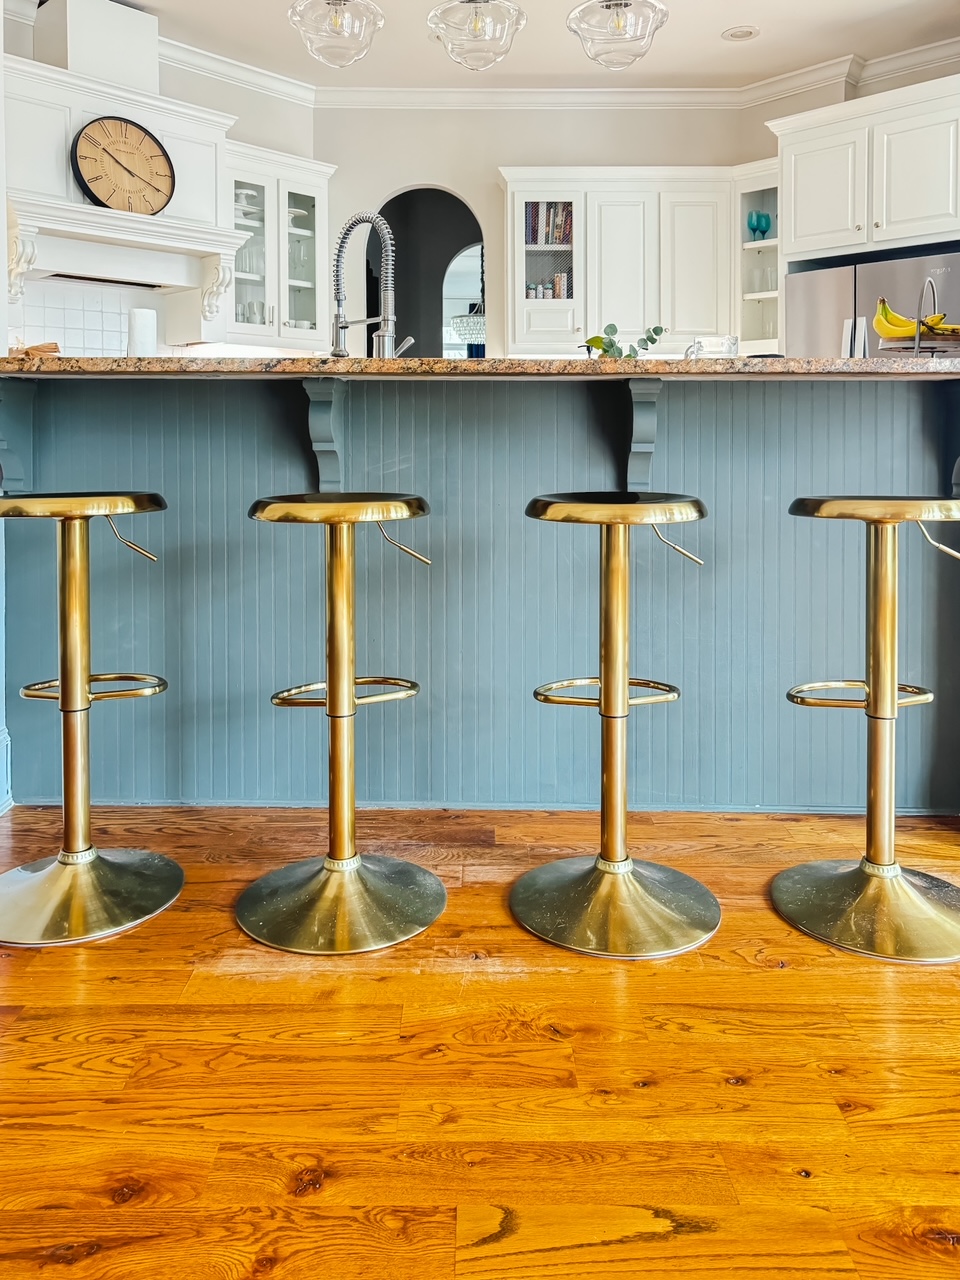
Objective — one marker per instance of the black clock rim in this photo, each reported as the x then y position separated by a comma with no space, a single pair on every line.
85,186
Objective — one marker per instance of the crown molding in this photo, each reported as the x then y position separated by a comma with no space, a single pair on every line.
925,58
185,57
20,10
216,122
838,71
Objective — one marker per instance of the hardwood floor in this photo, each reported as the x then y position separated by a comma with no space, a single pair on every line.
180,1103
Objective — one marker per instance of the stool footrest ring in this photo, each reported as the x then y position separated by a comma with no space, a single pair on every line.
548,692
148,686
401,689
912,695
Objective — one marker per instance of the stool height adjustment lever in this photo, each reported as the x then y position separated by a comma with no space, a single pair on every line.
127,543
676,547
947,551
409,550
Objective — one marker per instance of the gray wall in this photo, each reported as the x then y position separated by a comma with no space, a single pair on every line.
233,611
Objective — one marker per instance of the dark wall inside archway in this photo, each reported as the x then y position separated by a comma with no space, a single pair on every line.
431,227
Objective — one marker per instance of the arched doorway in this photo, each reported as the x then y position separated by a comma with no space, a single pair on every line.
431,228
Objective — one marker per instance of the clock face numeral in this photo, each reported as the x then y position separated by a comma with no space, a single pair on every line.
122,166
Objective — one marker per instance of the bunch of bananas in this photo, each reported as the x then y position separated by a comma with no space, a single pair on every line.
894,327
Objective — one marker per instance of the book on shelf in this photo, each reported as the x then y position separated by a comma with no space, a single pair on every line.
548,222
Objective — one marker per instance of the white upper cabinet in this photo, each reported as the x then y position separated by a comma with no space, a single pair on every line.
824,185
623,270
695,263
281,288
916,187
634,247
877,172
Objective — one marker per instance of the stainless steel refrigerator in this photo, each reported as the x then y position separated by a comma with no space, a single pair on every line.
822,307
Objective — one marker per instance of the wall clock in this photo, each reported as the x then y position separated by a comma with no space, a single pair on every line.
120,165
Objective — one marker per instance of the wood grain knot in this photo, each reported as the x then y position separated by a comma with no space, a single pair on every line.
941,1235
804,1173
128,1190
309,1180
65,1255
262,1265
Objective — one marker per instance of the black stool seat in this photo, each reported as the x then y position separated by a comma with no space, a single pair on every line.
616,508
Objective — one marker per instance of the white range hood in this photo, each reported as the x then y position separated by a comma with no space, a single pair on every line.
188,249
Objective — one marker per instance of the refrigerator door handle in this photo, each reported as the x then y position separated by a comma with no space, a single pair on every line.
846,342
860,339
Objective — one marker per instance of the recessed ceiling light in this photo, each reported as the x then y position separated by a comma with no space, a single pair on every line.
737,34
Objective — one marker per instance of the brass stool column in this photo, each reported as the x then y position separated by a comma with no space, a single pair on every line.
875,907
613,905
341,903
84,893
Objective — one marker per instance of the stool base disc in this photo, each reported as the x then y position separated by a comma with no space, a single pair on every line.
309,909
645,914
913,917
53,903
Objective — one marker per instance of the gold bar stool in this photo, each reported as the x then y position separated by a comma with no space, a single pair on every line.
875,906
342,903
613,905
84,893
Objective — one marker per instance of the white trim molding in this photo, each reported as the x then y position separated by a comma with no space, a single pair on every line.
185,57
850,73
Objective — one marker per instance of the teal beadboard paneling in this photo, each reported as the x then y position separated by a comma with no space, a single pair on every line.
233,610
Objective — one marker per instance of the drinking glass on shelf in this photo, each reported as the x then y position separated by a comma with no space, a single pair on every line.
764,223
753,222
770,282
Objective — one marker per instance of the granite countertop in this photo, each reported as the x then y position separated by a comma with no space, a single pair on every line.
898,368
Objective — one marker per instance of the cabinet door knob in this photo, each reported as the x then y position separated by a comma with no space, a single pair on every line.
858,227
877,225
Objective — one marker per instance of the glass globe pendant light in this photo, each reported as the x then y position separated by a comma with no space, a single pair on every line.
616,33
477,33
338,32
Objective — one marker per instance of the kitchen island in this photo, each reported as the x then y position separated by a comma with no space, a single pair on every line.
234,610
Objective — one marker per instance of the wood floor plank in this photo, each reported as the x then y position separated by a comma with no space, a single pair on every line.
53,1028
452,1173
207,1112
630,1242
486,1020
846,1174
425,1067
922,1243
402,1242
113,1175
908,1098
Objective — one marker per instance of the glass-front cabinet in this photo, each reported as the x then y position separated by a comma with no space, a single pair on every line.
545,297
280,286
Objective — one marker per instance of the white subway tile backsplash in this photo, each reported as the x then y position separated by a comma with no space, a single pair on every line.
88,320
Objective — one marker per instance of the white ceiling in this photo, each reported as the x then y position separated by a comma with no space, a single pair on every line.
687,52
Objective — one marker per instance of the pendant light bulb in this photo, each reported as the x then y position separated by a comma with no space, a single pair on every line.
337,32
616,33
477,33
